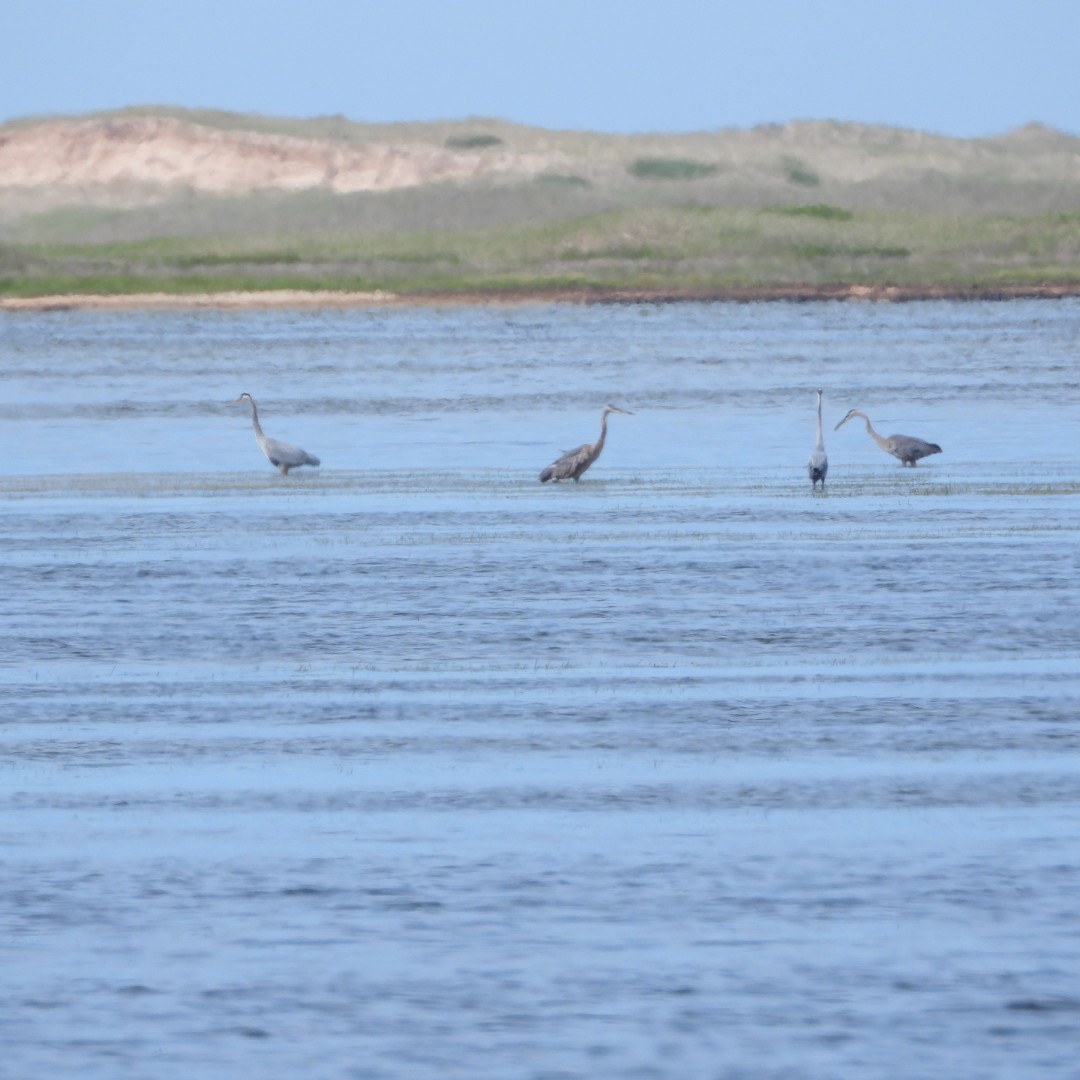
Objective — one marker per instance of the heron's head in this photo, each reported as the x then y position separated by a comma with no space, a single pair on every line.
243,397
853,412
613,408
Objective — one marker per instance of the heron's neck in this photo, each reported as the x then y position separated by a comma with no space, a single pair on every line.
883,443
603,432
820,437
255,420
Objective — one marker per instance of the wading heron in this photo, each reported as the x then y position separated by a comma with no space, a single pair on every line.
574,462
906,448
283,455
818,465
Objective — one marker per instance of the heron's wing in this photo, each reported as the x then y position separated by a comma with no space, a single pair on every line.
570,462
913,447
283,453
578,452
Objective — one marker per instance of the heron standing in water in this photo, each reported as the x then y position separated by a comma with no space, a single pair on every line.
818,465
906,448
574,462
284,455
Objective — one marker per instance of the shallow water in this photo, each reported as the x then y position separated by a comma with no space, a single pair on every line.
411,767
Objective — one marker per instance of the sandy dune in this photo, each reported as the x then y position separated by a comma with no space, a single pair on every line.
143,153
158,151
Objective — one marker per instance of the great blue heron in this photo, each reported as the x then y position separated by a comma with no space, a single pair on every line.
905,447
574,462
818,465
283,455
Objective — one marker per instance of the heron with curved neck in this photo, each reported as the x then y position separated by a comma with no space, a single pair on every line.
283,455
574,462
906,448
818,465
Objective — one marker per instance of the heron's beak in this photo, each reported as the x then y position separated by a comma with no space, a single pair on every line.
625,412
842,422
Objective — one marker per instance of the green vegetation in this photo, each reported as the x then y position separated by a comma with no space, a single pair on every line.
814,210
264,258
563,180
799,173
659,247
472,142
626,252
831,251
658,168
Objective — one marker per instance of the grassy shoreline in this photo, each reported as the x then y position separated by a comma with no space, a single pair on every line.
482,211
671,251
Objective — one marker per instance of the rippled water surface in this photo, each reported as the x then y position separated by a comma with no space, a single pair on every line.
412,767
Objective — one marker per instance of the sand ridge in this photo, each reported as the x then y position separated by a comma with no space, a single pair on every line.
165,152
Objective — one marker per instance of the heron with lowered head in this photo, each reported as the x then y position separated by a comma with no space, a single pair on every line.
906,448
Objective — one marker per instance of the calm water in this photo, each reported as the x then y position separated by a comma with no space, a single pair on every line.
410,767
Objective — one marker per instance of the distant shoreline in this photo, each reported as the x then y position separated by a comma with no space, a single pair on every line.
316,298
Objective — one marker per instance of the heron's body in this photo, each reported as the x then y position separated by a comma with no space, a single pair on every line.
818,465
283,455
905,448
574,462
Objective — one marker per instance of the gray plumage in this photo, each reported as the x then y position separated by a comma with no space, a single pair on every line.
574,462
818,465
906,448
283,455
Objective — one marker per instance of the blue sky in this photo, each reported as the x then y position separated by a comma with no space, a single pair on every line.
958,67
